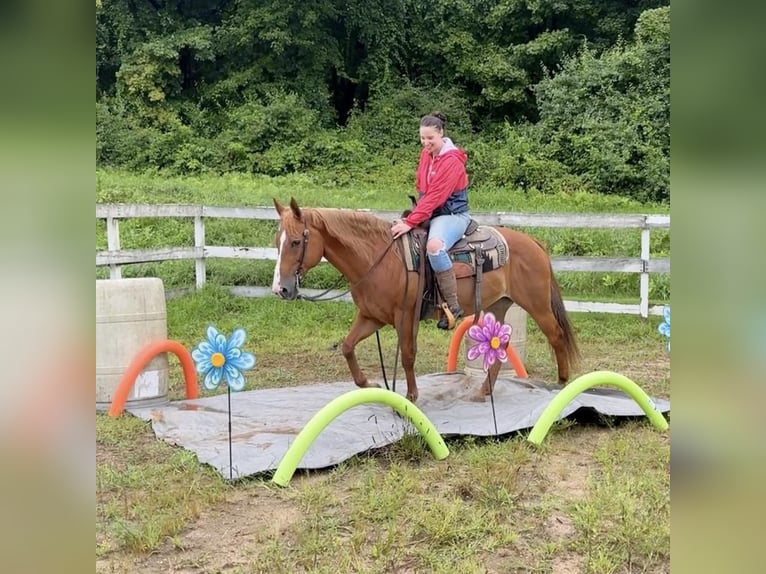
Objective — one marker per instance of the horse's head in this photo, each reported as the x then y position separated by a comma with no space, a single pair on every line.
299,248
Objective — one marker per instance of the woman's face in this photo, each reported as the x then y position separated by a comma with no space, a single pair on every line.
431,138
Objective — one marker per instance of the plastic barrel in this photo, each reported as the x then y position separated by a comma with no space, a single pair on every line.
516,317
130,313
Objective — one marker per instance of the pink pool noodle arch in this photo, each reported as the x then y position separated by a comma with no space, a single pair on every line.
457,337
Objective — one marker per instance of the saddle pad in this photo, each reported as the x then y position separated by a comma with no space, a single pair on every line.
493,247
411,250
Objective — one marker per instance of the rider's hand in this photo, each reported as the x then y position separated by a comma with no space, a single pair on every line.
399,228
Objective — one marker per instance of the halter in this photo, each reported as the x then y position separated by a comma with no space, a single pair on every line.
299,269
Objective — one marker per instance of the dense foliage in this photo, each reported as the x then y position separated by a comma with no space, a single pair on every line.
543,94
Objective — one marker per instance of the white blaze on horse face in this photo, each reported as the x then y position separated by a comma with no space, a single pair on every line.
275,283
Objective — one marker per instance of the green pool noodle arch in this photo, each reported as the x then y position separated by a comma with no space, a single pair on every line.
341,404
585,382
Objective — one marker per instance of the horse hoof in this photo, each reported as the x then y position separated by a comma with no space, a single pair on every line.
477,397
412,398
368,385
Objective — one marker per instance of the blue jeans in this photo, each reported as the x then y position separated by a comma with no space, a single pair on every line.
448,229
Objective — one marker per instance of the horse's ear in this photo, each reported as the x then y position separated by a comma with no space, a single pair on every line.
295,208
280,208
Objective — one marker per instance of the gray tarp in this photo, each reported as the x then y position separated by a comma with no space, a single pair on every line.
265,422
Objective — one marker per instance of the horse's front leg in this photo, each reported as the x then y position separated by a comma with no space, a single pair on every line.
408,349
362,328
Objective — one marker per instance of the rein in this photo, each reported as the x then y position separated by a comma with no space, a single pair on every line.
401,326
321,297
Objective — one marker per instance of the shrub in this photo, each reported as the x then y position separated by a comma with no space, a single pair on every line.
392,117
514,158
607,116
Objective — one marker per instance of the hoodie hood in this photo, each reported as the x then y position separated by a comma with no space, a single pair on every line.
447,147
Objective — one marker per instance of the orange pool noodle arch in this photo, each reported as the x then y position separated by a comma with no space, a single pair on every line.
457,337
139,362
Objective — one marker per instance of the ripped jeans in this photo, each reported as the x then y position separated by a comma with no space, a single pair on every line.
448,229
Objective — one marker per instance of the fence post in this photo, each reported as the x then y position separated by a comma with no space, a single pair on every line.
113,244
199,243
644,285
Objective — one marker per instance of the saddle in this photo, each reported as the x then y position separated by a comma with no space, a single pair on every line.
481,249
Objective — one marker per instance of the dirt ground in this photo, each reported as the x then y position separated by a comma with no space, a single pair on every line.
218,539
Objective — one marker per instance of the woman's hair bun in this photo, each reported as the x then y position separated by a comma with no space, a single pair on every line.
440,115
434,120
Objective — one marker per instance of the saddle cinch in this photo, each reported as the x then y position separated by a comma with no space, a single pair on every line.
481,249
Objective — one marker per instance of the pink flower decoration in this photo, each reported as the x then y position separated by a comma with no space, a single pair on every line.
491,339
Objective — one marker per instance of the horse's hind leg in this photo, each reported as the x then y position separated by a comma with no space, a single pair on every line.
542,314
498,309
362,328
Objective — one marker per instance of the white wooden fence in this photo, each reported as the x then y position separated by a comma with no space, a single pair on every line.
114,257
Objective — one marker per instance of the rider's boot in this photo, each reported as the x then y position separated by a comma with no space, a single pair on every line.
448,288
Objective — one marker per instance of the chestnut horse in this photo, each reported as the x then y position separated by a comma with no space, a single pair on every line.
359,245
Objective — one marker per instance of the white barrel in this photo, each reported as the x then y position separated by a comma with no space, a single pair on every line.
130,313
516,317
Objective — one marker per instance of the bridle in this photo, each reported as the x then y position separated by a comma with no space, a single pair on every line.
304,244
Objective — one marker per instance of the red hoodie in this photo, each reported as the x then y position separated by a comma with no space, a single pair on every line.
436,179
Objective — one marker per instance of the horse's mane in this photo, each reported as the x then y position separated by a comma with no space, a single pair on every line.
360,231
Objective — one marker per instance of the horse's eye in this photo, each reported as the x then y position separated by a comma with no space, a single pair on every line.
295,242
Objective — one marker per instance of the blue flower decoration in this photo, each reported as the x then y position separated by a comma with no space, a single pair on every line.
218,357
664,328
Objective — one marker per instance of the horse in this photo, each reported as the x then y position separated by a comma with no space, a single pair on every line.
360,246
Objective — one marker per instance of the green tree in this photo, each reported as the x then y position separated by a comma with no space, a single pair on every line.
607,116
495,51
280,85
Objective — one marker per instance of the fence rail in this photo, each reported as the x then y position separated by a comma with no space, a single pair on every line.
114,257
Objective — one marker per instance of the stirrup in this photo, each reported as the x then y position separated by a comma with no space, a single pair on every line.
449,318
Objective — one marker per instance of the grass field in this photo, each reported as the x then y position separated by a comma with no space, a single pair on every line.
595,498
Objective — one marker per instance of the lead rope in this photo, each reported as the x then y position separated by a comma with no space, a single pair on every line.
320,297
479,266
492,401
401,320
380,356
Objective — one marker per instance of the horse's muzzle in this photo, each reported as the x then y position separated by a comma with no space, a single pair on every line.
288,293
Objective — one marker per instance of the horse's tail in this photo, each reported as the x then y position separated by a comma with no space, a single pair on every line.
571,350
